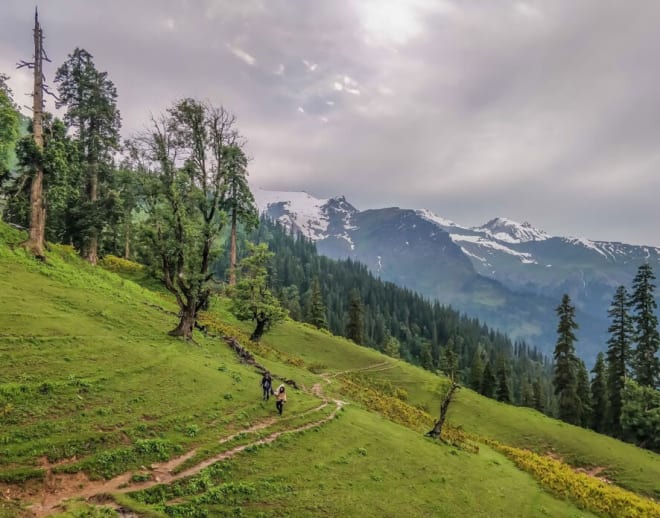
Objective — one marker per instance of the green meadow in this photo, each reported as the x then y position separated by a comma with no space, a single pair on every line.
94,394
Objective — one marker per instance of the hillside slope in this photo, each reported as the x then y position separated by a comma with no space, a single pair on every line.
96,399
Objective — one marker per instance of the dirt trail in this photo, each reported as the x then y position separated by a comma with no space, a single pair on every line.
61,487
376,367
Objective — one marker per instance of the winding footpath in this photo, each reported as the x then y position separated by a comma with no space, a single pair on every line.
61,487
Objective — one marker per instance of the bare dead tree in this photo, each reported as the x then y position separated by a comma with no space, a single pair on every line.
37,232
436,431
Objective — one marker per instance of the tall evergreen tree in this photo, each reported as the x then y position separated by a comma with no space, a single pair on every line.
90,99
539,396
526,393
618,357
239,201
317,310
488,382
476,370
503,392
355,327
583,393
566,364
425,356
599,399
645,360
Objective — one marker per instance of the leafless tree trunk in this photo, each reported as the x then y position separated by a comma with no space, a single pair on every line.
92,251
444,407
36,240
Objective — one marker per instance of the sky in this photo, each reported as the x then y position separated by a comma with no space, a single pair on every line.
539,111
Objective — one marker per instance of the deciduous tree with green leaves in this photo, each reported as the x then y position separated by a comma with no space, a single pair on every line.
9,121
181,158
640,415
251,297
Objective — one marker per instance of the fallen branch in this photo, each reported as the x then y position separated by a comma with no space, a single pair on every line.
247,357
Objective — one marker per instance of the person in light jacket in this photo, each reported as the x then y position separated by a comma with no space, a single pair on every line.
280,396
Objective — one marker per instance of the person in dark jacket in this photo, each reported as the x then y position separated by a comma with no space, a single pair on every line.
267,385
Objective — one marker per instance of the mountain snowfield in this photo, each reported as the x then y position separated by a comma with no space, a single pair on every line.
509,274
312,217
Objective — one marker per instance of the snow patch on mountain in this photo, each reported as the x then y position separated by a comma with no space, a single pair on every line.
524,257
299,210
586,243
434,218
509,231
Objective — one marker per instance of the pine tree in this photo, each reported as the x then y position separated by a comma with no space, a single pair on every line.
539,396
566,363
90,99
618,357
502,392
584,393
526,393
449,360
476,371
599,395
425,356
645,359
317,309
355,327
239,201
488,382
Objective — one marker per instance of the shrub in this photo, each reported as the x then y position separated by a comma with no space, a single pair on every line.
587,491
119,265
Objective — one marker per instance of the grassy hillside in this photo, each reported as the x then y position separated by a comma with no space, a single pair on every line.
627,465
97,401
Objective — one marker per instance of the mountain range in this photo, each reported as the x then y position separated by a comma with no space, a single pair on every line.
508,274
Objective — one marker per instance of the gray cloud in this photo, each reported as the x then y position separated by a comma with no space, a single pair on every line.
539,111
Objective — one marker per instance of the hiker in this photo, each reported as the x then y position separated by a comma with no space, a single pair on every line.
267,385
280,395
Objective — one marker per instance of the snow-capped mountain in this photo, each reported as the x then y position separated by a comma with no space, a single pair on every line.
510,274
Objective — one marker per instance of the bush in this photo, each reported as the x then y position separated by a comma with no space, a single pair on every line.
588,492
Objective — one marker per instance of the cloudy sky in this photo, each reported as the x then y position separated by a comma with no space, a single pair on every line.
544,111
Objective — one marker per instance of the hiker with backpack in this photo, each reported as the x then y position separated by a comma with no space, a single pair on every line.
280,395
267,385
